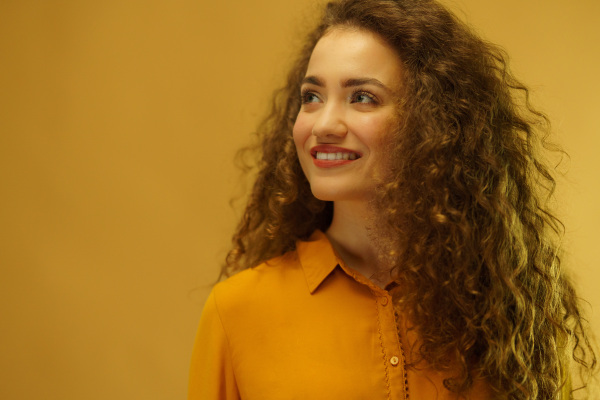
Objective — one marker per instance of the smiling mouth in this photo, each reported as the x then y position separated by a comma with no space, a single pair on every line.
335,156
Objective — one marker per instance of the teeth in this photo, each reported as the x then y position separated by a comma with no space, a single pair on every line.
336,156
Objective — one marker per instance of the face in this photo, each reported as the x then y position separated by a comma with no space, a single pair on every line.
348,111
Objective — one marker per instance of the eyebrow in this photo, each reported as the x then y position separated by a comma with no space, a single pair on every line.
313,80
347,83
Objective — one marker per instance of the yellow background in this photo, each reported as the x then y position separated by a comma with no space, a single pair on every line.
119,120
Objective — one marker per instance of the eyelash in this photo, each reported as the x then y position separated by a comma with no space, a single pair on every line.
306,94
371,97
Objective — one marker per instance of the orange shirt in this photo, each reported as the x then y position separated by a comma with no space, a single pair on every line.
304,326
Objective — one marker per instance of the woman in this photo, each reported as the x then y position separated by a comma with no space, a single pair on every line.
397,240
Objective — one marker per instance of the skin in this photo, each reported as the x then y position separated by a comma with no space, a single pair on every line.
349,98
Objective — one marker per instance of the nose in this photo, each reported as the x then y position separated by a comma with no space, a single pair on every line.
330,122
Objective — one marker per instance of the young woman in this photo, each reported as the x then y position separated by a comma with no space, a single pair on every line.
397,241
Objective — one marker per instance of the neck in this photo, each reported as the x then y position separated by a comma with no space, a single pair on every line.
349,236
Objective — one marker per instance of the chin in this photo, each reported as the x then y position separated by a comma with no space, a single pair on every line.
324,193
331,193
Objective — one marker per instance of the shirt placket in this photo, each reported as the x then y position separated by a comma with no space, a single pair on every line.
393,358
391,347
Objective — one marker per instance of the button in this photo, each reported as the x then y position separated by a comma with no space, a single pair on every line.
384,301
394,361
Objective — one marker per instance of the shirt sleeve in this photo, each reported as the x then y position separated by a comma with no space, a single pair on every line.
211,371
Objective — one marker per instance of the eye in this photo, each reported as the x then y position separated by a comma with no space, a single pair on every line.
309,97
363,97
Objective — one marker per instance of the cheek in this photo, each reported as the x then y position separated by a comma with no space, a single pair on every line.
382,144
375,131
301,132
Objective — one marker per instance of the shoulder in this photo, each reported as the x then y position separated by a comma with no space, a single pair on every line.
255,289
261,276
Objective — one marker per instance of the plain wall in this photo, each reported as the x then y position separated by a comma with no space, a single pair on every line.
119,121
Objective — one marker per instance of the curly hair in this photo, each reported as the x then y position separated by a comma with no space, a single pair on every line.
464,214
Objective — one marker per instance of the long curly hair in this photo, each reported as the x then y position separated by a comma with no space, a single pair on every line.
463,215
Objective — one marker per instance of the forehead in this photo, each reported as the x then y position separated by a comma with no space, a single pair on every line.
355,52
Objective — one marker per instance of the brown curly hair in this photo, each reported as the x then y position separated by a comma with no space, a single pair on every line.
464,215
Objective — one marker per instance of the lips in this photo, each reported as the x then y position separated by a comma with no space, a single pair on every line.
326,156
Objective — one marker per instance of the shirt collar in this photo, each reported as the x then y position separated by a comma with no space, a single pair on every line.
317,258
